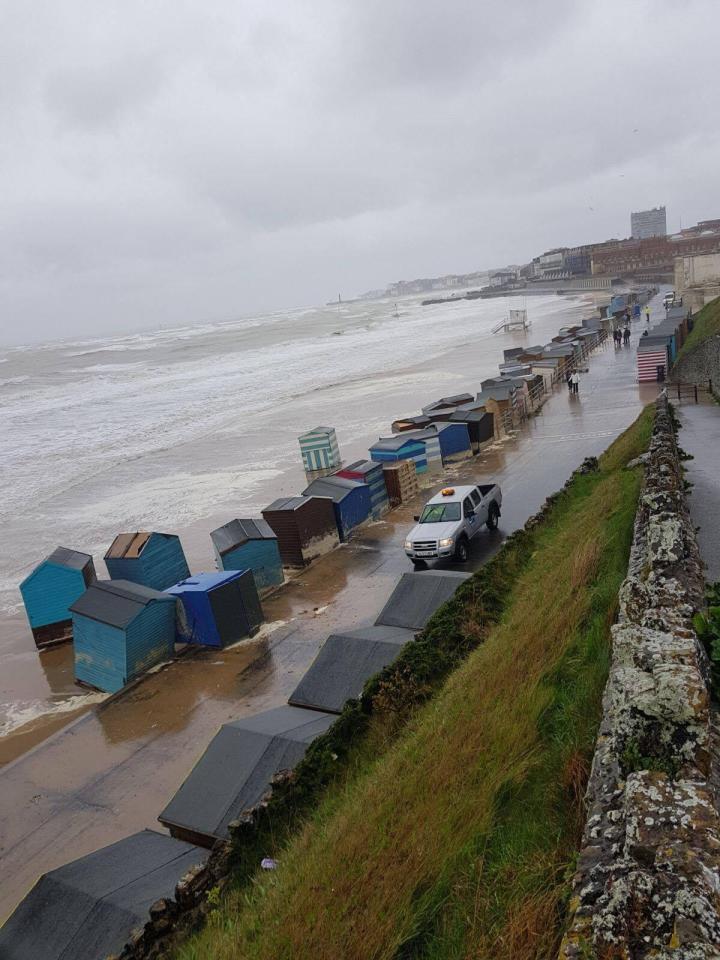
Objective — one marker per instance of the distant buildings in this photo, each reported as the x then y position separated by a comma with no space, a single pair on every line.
648,223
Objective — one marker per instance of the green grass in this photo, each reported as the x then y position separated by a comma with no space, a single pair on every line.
707,324
452,833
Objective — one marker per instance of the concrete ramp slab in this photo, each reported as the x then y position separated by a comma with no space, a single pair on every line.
345,663
88,908
417,596
235,771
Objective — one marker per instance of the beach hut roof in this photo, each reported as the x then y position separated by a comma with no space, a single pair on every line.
468,416
417,596
237,532
73,559
317,431
337,488
130,545
396,442
498,391
363,466
116,602
286,503
89,907
346,661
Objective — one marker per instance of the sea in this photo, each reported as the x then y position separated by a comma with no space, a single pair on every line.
180,430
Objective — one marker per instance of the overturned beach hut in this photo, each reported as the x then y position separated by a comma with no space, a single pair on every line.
401,481
454,438
350,499
319,449
345,663
88,909
235,771
417,596
217,609
371,473
305,528
249,545
444,402
155,560
50,590
120,630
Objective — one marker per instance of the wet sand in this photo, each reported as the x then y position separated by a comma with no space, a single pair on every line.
111,771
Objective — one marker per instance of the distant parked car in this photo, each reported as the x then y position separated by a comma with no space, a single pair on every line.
450,520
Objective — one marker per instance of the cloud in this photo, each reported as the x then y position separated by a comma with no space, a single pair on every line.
171,161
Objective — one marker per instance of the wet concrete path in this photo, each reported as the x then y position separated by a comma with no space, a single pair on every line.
110,772
700,437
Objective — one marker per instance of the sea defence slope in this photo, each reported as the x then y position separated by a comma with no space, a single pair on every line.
649,870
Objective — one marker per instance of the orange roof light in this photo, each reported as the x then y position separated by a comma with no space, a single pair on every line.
448,492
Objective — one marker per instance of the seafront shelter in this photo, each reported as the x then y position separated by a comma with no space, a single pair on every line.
350,499
236,769
155,560
319,449
217,609
249,545
51,589
371,473
90,907
120,630
305,528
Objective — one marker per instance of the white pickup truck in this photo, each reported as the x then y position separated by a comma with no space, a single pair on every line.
450,520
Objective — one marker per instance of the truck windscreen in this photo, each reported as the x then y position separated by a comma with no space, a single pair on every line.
440,512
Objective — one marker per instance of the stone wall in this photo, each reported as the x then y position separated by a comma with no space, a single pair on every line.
700,365
648,876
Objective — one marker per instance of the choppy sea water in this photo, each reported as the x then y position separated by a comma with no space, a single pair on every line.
164,429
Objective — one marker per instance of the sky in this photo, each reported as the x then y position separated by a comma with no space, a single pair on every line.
170,161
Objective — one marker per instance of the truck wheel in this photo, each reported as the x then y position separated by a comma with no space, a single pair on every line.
492,520
461,550
419,564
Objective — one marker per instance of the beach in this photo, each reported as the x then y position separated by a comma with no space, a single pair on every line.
181,430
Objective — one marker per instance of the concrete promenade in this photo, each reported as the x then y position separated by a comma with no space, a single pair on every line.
110,773
700,437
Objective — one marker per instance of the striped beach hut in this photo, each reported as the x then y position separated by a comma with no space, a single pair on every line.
403,446
155,560
249,545
350,499
217,609
371,473
319,449
50,590
652,361
120,630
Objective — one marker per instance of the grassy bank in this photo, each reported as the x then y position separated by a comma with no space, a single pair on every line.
707,324
453,831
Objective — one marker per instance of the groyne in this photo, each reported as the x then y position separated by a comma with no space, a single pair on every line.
648,876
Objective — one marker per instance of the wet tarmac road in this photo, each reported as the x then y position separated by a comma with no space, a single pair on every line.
700,437
110,772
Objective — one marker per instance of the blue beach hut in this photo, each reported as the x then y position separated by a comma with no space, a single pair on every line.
454,441
155,560
49,591
249,544
401,447
121,629
217,609
371,473
350,499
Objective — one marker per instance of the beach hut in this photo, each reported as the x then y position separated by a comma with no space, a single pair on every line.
417,596
401,481
454,440
217,609
89,908
480,426
548,369
433,453
652,361
120,630
403,446
305,528
50,590
319,449
410,423
371,473
453,401
154,560
350,499
249,545
235,771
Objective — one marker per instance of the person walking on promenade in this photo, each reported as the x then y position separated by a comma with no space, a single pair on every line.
575,381
569,382
647,314
626,336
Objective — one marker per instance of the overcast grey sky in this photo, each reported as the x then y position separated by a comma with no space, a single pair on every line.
165,161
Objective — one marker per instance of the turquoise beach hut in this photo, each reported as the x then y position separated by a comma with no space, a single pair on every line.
49,591
319,449
155,560
121,630
249,545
